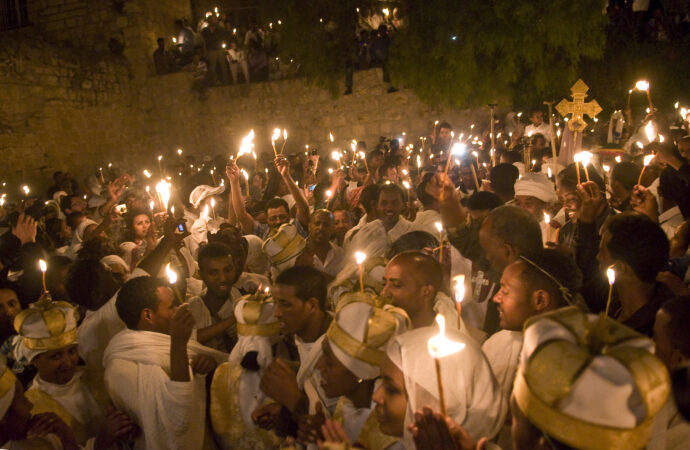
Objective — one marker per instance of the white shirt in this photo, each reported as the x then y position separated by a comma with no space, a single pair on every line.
333,264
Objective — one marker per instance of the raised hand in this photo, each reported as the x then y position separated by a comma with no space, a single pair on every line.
181,324
279,382
203,364
232,171
310,426
592,202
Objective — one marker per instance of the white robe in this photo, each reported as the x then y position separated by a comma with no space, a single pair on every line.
203,317
98,327
76,397
170,413
334,262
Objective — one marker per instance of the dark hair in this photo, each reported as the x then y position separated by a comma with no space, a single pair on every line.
129,221
136,295
639,242
483,200
422,195
369,196
503,177
97,247
373,153
568,177
232,237
626,173
413,241
391,187
213,250
516,227
445,124
511,156
561,267
90,284
277,203
678,310
66,202
72,218
307,282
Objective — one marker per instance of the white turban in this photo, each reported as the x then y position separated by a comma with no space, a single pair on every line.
536,185
115,260
202,192
81,228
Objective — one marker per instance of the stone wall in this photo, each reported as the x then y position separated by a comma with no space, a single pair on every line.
67,101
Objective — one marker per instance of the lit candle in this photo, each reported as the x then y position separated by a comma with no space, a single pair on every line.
611,275
246,180
439,347
547,221
336,156
147,174
163,190
26,190
459,281
360,257
179,151
172,279
247,144
649,131
213,207
584,158
284,141
439,227
643,85
274,138
363,156
44,267
330,136
647,159
160,166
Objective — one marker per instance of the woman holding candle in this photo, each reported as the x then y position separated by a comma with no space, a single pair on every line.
472,396
141,237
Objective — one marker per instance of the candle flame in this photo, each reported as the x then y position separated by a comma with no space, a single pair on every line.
151,205
172,276
649,131
642,85
440,346
247,144
276,134
204,213
147,173
285,134
360,257
548,171
163,189
611,275
618,159
547,218
439,226
329,193
213,202
683,113
459,281
648,159
160,157
606,168
458,148
42,264
179,151
406,184
335,156
330,136
26,189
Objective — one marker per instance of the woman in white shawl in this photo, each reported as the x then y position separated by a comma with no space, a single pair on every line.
141,237
471,393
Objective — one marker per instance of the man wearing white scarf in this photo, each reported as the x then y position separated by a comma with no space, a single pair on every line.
148,370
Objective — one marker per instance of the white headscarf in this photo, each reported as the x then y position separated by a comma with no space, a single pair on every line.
472,395
536,185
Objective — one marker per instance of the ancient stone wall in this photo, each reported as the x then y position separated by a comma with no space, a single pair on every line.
67,101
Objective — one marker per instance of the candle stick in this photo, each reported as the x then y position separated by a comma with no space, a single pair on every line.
440,346
274,138
547,221
474,175
284,141
43,266
363,156
160,166
439,227
611,275
246,180
360,257
459,281
172,279
213,207
647,159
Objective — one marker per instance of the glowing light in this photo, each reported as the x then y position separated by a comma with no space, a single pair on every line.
642,85
360,257
42,264
330,136
547,219
440,346
648,159
439,226
618,159
247,144
459,281
172,276
649,131
606,168
147,173
611,275
26,189
163,190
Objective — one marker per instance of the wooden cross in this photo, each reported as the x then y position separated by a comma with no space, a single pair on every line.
578,107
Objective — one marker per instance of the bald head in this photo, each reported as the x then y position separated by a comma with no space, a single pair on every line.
424,268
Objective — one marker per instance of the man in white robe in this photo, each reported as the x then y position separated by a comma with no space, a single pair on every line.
148,372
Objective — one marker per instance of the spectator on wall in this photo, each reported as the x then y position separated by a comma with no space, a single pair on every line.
163,60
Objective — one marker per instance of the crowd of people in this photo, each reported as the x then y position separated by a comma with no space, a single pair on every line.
224,50
292,299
